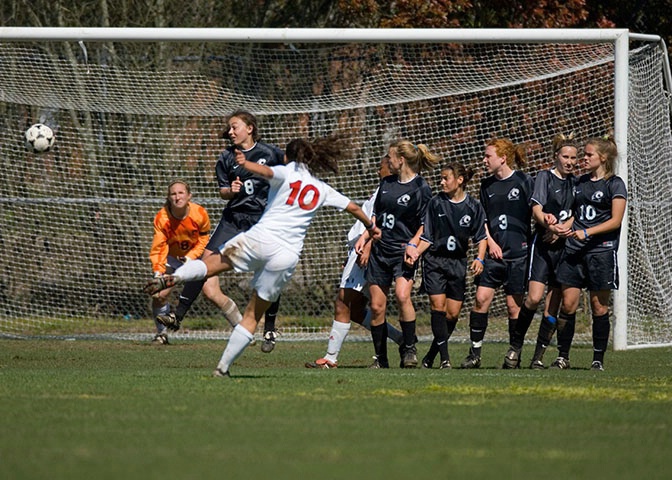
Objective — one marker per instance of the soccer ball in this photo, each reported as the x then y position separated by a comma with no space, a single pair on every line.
39,138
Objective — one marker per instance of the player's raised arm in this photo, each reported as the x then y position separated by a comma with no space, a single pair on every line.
356,211
257,169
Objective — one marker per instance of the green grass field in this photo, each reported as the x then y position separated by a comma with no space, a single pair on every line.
126,410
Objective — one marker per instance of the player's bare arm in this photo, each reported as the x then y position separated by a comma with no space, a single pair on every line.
493,248
255,168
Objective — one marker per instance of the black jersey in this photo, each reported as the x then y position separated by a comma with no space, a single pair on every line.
251,199
556,196
507,209
399,210
449,225
592,206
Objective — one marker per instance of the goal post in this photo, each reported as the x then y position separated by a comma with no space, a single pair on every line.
133,107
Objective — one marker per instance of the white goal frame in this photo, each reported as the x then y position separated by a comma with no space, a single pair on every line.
620,38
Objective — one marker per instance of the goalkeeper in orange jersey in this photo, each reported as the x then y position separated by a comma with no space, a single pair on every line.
181,232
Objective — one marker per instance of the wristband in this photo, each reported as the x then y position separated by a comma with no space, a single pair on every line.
409,244
585,234
479,259
372,226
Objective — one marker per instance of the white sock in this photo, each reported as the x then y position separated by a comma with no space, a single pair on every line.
232,313
239,340
339,331
194,270
162,310
392,333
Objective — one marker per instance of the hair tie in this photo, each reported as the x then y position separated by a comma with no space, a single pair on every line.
415,146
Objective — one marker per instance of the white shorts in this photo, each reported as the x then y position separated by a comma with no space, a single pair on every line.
353,276
273,265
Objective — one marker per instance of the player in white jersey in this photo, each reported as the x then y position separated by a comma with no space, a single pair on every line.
589,259
271,248
350,303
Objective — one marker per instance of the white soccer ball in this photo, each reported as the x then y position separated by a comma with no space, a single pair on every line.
39,138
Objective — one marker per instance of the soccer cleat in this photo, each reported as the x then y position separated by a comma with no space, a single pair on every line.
170,321
268,343
537,365
161,339
410,357
379,364
471,361
156,284
220,374
560,363
427,362
322,363
597,365
445,365
511,359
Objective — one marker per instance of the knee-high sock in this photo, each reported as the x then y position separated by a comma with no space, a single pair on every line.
440,332
339,331
271,315
194,270
522,325
478,324
231,312
566,325
392,333
544,337
239,340
162,310
601,329
188,296
379,337
408,333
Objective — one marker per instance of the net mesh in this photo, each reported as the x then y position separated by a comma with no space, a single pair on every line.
129,117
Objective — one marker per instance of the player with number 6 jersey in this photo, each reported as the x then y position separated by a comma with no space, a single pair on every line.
271,248
453,218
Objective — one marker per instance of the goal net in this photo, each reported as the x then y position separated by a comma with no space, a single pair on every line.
130,116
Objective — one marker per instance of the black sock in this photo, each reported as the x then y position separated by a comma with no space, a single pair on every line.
408,333
270,316
601,329
379,336
522,325
451,324
512,329
544,337
440,331
566,325
478,324
188,295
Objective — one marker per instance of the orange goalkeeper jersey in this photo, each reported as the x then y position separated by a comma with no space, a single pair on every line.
179,238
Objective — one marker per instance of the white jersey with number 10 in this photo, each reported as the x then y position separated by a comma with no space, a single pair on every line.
293,200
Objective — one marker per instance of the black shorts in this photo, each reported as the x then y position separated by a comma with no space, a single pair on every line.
441,275
383,269
594,271
230,225
511,274
544,264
